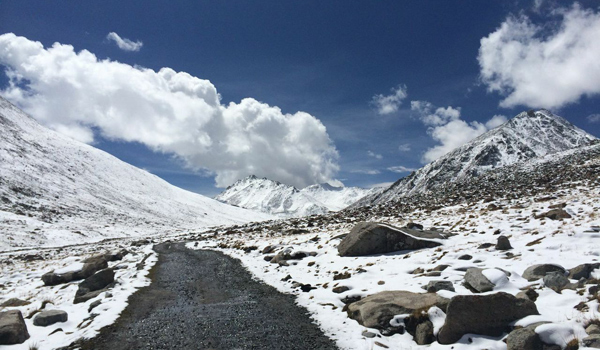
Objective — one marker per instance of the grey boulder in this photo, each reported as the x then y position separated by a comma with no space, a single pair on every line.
582,271
92,286
476,280
367,238
556,281
536,272
434,286
90,266
503,243
12,328
524,339
483,314
50,317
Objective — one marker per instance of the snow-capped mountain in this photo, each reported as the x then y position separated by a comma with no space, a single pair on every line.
268,196
54,185
528,135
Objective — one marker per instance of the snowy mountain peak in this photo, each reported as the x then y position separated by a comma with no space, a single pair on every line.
526,136
264,195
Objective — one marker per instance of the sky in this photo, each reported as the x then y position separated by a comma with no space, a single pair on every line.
353,92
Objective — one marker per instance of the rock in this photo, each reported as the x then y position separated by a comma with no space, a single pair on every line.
524,339
536,272
368,334
14,302
342,276
529,294
439,268
367,238
483,314
556,281
555,214
90,266
340,289
376,311
288,254
424,333
593,329
476,280
582,271
593,341
12,328
50,317
434,286
94,304
485,245
414,226
92,286
503,243
465,257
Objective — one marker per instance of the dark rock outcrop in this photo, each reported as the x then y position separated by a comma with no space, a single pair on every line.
12,328
92,286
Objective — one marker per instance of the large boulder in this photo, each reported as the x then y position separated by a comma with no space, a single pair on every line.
556,281
583,271
12,328
92,286
535,272
50,317
524,339
376,311
90,267
367,238
476,280
483,314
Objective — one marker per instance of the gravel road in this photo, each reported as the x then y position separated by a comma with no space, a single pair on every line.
201,299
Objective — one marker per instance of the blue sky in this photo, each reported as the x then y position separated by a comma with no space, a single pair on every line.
329,59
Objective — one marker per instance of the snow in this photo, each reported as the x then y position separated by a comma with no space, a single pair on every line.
560,334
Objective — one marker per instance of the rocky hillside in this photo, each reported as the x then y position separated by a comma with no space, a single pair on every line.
524,137
52,188
275,198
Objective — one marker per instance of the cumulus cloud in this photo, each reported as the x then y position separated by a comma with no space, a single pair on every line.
401,169
387,104
374,155
446,128
172,112
593,118
545,66
124,43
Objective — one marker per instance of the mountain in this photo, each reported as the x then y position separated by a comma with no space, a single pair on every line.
52,186
268,196
526,136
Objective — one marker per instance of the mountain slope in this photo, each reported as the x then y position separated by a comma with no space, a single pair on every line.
275,198
526,136
58,185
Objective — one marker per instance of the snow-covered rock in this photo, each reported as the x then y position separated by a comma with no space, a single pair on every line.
268,196
55,190
527,136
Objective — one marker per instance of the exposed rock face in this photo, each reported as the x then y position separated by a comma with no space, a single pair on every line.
90,266
483,314
92,286
12,328
376,311
475,279
50,317
367,238
536,272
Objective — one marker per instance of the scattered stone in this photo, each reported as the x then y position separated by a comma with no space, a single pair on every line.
50,317
503,243
582,271
341,276
555,214
434,286
439,268
414,226
524,339
268,249
483,314
367,238
349,299
593,341
424,333
536,272
307,288
368,334
14,302
417,271
529,294
12,328
485,245
376,311
476,280
556,281
465,257
94,285
90,266
593,329
94,304
283,256
340,289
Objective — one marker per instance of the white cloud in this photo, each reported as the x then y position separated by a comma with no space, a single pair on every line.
374,155
124,43
405,147
446,128
390,103
593,118
366,171
401,169
543,65
168,111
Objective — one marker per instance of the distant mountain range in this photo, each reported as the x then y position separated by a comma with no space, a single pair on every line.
527,136
268,196
50,183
